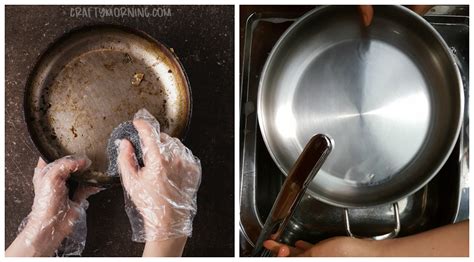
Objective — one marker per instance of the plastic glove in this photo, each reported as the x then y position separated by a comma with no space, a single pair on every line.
160,198
55,218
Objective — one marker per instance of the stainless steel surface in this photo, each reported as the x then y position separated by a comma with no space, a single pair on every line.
394,233
390,96
250,219
444,200
455,31
451,10
93,79
302,173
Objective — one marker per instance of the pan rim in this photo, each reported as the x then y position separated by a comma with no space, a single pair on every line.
394,198
58,41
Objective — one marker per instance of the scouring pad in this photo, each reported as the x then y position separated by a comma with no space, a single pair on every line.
125,130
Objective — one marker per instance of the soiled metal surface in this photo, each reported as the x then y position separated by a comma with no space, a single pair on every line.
92,80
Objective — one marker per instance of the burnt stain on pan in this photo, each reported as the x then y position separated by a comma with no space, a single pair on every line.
95,78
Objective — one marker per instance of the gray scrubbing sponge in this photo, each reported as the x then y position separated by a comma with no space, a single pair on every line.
125,130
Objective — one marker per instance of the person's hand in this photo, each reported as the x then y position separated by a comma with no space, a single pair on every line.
451,240
332,247
367,12
160,198
54,216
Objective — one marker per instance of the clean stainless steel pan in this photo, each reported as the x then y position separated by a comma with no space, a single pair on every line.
390,97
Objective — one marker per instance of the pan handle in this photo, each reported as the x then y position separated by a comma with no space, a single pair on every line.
392,234
299,177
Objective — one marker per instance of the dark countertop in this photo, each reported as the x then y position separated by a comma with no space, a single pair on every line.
203,39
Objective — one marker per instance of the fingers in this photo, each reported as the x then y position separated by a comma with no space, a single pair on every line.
281,250
149,138
178,149
303,245
63,167
38,170
284,251
273,246
41,163
164,138
421,9
367,13
127,162
83,192
143,114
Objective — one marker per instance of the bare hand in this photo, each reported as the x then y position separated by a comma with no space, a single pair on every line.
449,240
332,247
367,12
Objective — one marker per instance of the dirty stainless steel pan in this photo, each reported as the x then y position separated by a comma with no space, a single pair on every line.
390,96
93,79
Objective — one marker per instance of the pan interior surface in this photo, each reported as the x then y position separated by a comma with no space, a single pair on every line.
383,94
93,80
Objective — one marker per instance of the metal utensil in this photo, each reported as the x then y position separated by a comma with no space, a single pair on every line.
389,95
300,176
437,203
95,78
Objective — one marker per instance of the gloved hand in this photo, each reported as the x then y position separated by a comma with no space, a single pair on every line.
160,198
55,217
